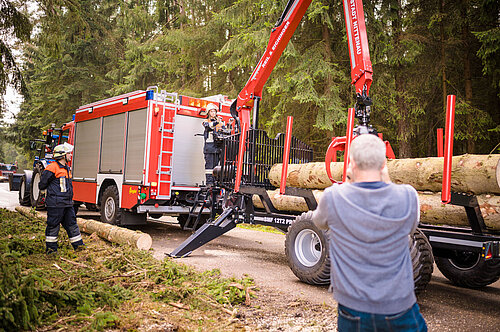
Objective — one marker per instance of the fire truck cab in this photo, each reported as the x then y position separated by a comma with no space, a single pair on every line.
141,153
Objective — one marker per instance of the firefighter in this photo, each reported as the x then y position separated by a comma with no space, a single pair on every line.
56,180
210,150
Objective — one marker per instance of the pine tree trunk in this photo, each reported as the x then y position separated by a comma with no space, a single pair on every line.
405,130
432,211
476,174
467,74
443,53
108,232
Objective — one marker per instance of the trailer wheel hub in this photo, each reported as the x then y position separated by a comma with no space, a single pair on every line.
109,208
465,261
36,181
308,247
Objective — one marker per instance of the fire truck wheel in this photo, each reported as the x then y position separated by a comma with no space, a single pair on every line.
422,260
306,249
469,269
24,194
37,198
110,206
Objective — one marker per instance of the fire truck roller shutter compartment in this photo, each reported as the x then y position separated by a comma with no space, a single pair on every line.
113,133
188,161
86,152
86,160
134,155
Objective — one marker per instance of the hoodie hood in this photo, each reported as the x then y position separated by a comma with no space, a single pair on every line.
372,215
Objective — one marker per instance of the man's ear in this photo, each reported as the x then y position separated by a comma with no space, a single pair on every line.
352,163
384,165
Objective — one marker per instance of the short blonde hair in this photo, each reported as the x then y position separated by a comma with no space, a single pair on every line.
368,152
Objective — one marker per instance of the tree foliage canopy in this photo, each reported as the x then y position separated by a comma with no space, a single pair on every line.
421,50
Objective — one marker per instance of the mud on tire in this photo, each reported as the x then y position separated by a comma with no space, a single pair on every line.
469,269
306,249
422,260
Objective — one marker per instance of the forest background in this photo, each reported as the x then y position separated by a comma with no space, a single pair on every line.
76,52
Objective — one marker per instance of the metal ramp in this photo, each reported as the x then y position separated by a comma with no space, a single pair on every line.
165,157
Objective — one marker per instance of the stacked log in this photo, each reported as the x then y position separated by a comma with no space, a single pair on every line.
432,211
473,174
105,231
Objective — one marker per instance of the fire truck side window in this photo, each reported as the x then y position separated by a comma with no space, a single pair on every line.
136,134
87,149
64,137
113,133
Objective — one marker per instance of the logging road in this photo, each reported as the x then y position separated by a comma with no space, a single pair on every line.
261,256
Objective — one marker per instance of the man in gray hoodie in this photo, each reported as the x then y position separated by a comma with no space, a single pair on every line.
369,220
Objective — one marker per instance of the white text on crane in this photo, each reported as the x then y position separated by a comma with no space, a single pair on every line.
355,27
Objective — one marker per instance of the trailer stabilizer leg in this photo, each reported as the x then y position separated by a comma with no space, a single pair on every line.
206,233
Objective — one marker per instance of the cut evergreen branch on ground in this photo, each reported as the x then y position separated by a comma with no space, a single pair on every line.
106,286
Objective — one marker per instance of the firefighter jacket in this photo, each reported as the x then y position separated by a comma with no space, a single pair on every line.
56,178
210,131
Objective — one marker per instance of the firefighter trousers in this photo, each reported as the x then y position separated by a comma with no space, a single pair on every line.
65,216
211,160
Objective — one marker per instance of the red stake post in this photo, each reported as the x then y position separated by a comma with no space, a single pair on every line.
241,154
286,153
349,133
448,149
440,142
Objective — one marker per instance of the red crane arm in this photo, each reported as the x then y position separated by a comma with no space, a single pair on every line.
280,36
361,66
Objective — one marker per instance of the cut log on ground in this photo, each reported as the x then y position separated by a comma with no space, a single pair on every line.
108,232
475,174
432,211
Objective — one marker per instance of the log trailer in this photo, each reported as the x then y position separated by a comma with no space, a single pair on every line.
468,257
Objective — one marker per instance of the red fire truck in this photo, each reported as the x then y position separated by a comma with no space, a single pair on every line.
142,153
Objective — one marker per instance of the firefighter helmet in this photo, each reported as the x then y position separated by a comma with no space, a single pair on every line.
212,107
61,150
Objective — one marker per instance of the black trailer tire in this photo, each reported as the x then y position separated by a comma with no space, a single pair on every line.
24,194
313,267
36,196
306,249
111,212
422,260
468,269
